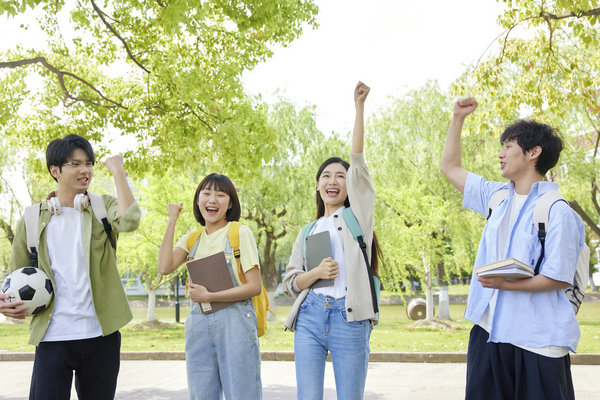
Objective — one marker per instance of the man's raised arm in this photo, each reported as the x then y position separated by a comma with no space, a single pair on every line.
451,164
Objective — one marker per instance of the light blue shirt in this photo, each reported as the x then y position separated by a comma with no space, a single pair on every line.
533,319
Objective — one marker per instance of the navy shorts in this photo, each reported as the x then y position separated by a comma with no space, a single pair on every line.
504,371
95,362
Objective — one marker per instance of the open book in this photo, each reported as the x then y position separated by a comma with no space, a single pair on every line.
509,268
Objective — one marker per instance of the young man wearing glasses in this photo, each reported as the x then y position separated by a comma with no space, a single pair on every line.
79,331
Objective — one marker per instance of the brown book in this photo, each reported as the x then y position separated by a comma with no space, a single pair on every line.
508,268
213,273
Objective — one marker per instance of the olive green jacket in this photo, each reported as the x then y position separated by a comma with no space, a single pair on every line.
108,296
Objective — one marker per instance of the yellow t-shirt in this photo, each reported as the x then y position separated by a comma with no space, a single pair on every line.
215,242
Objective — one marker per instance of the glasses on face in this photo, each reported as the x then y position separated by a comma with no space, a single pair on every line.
78,164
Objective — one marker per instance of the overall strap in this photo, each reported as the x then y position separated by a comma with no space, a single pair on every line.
192,252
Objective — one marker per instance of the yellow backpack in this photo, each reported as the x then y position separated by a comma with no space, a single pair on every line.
261,301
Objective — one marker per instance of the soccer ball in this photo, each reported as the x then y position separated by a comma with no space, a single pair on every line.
31,286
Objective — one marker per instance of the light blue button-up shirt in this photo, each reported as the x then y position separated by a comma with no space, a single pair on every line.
533,319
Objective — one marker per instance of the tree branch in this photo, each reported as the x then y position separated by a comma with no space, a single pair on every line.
10,234
547,16
588,221
114,32
407,223
209,126
551,30
60,75
582,14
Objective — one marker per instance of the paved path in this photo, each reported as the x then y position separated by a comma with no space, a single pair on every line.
165,380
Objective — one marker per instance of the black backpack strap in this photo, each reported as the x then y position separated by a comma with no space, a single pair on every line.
32,219
99,210
363,248
542,236
541,215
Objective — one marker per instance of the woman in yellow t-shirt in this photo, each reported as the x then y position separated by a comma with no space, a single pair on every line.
221,348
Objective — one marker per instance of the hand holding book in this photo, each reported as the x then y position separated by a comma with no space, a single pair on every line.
510,268
208,275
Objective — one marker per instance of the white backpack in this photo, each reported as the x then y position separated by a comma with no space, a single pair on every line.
32,218
541,212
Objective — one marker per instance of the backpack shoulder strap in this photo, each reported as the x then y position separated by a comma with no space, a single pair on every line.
99,209
234,241
32,219
497,198
359,236
305,231
541,213
352,223
192,243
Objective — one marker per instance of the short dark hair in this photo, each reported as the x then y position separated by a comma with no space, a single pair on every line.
530,133
223,184
59,151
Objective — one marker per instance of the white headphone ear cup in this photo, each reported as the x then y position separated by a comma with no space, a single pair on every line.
81,202
54,205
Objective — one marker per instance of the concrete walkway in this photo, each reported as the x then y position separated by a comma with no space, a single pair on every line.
166,380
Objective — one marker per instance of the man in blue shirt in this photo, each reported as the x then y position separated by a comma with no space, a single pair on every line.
524,329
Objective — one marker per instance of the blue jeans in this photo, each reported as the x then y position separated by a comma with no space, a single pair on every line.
322,326
222,353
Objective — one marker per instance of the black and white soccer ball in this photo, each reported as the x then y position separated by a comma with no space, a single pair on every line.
31,286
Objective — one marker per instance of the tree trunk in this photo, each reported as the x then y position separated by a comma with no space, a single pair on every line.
272,306
443,298
593,286
151,305
444,303
428,292
268,261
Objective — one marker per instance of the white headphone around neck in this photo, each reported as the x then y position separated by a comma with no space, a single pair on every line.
80,203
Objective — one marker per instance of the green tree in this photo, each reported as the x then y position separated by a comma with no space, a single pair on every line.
419,221
545,66
138,251
278,200
165,74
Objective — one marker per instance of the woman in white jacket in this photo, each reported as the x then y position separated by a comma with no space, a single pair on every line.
337,318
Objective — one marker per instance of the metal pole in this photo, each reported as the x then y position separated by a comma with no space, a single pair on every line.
177,299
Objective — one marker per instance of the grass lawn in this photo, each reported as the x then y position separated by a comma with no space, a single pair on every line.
395,332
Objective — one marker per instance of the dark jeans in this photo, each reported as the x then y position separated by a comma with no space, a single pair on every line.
504,371
95,363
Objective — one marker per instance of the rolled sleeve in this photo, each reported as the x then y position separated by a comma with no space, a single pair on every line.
564,242
478,192
129,221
